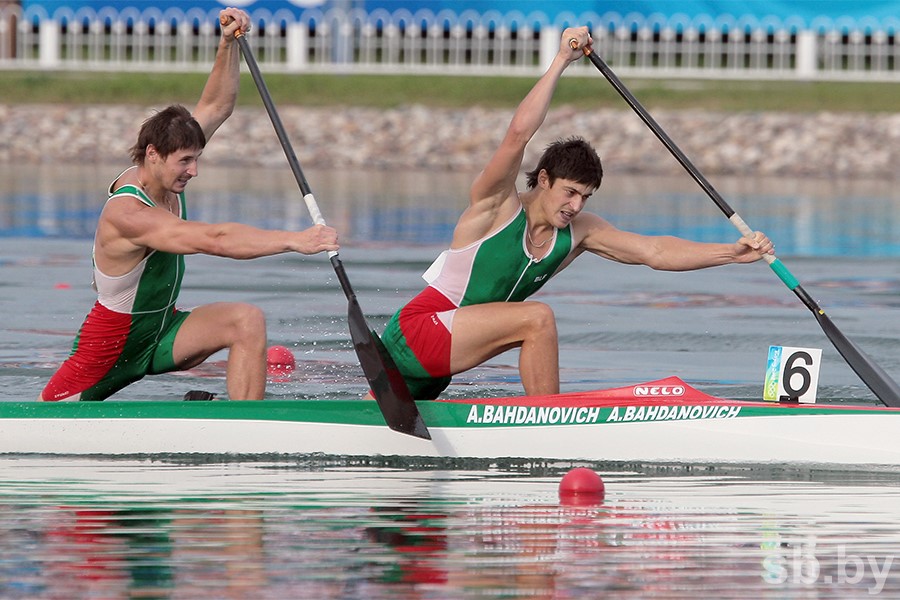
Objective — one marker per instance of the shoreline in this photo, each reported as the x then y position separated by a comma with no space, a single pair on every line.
415,137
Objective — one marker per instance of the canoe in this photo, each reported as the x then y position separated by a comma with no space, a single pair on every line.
663,421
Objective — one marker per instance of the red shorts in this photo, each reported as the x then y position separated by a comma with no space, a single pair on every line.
113,350
418,338
425,325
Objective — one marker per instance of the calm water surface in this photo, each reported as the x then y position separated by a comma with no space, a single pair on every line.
117,529
323,528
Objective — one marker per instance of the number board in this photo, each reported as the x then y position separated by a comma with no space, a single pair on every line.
792,374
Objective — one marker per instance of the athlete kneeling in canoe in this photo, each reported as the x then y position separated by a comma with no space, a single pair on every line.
134,329
508,244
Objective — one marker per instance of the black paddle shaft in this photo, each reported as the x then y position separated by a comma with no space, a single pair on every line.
877,380
387,385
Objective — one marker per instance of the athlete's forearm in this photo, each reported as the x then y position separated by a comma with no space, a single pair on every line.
677,254
238,241
221,90
532,111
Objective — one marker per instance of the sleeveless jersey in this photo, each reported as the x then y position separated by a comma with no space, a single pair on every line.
153,285
498,268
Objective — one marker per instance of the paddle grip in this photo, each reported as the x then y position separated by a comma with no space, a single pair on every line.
227,19
316,215
313,209
745,230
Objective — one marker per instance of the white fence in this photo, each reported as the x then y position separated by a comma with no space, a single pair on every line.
447,42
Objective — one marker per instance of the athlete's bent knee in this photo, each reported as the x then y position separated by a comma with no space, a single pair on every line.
250,319
541,317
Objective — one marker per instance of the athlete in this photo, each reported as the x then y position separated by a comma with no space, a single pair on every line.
143,233
507,244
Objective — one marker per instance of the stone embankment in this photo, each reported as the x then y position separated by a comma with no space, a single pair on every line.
829,145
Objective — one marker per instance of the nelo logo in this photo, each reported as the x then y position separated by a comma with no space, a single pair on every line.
659,390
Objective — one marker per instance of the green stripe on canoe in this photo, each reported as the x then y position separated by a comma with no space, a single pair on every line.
357,412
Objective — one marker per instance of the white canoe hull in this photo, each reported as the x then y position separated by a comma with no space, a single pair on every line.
599,426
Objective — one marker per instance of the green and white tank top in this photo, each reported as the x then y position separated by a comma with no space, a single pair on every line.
498,267
154,283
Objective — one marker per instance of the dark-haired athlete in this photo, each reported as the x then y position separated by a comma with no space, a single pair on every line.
508,244
134,329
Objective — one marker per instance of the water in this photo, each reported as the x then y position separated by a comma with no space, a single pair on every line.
313,527
89,528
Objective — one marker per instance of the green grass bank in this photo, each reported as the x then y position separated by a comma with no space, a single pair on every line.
590,91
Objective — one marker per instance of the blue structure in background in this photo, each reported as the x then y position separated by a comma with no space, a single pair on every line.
806,12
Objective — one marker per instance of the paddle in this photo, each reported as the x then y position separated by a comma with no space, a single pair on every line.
870,373
387,385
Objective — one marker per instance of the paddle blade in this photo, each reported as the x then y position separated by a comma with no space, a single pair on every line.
387,384
871,374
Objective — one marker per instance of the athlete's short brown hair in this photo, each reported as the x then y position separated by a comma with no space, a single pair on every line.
170,130
571,158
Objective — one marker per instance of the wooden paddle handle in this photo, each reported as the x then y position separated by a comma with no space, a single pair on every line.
226,20
573,44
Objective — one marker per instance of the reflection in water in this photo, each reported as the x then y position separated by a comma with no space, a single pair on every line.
415,207
92,529
803,217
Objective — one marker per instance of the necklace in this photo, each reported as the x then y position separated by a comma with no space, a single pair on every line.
533,245
144,187
149,195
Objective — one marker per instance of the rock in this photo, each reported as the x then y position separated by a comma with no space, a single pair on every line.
418,137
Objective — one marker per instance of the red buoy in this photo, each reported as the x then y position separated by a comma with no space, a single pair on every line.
581,486
279,361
